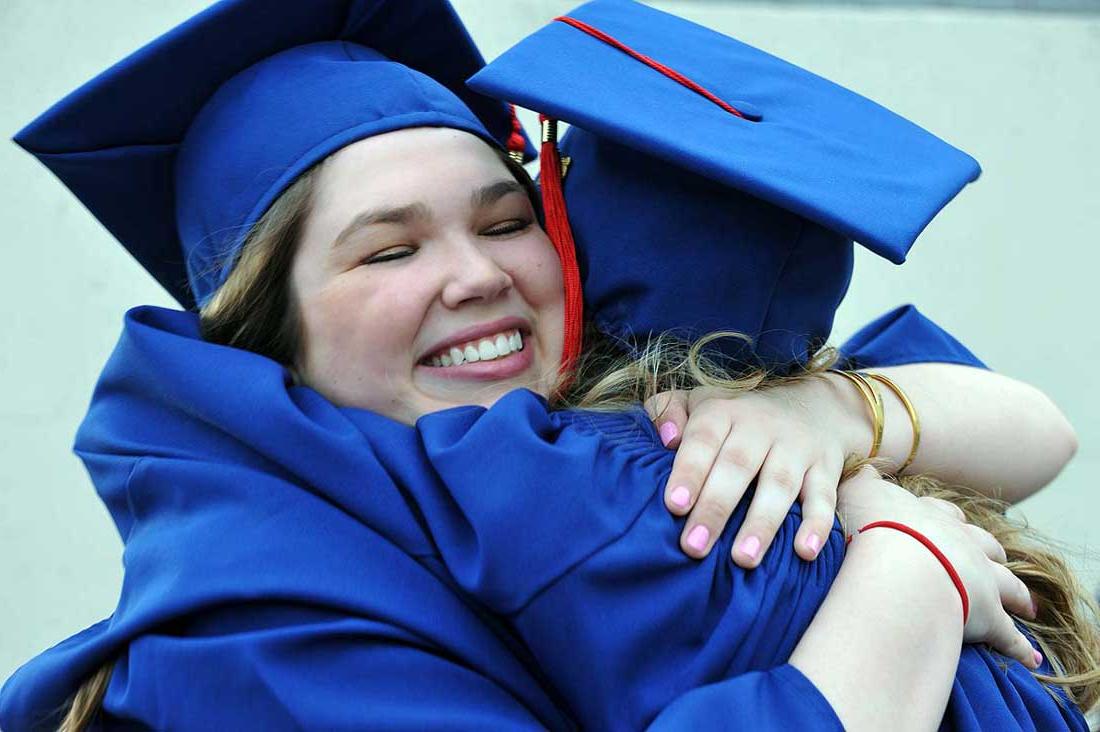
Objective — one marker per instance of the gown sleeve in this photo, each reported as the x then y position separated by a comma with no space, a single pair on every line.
284,667
578,553
251,602
783,698
904,336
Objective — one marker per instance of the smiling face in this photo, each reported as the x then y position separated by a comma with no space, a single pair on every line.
422,251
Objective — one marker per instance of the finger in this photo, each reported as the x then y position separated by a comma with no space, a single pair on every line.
1010,641
987,542
668,411
702,441
818,510
1015,596
779,483
737,463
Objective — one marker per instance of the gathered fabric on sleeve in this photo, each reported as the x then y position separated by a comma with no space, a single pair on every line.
628,628
579,553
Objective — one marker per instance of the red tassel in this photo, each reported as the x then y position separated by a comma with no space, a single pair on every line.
516,145
557,228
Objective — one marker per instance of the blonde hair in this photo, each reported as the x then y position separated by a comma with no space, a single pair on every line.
85,703
254,310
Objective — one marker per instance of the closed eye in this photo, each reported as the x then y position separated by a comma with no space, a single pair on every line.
389,255
508,227
512,226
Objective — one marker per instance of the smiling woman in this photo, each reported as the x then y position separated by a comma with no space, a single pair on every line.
464,260
418,248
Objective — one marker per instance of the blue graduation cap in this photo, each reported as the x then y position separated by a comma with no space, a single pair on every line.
179,148
713,186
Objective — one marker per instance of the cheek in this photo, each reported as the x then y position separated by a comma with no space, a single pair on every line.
353,330
538,269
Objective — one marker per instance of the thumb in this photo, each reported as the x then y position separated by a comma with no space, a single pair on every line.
668,410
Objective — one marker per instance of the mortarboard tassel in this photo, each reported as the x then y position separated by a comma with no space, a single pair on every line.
517,143
557,228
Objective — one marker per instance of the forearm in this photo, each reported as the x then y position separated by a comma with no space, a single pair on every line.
979,428
884,646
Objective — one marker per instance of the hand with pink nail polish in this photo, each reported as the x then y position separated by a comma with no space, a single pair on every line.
791,440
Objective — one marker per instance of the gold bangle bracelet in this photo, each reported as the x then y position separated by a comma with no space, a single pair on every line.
874,403
914,418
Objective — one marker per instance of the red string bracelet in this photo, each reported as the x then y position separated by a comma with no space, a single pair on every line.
932,548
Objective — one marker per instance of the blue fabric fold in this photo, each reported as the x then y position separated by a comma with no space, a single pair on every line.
904,336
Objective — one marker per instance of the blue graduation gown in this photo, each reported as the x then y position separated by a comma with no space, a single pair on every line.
292,564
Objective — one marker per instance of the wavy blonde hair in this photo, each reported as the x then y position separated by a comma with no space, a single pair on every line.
254,310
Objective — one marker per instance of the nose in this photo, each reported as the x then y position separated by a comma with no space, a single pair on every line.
473,275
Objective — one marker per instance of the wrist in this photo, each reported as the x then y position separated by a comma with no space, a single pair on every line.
879,622
849,417
898,563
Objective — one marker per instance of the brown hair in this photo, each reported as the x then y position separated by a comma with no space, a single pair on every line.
254,310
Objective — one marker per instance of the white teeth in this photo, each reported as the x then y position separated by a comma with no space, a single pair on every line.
486,350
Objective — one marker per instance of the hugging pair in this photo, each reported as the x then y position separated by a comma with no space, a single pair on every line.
329,526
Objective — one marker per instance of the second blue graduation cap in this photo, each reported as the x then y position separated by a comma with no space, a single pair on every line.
714,186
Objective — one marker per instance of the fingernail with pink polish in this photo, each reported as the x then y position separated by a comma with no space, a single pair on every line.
750,547
1038,659
668,432
697,539
813,543
681,496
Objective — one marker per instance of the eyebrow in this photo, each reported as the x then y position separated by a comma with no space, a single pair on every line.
389,215
480,198
490,194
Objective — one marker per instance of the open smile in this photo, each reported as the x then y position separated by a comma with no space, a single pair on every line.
498,356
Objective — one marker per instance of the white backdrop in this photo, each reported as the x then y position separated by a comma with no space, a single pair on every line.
1009,267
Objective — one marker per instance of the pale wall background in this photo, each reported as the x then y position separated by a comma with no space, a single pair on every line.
1010,267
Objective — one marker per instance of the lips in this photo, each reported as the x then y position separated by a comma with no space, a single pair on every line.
475,333
512,365
485,349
